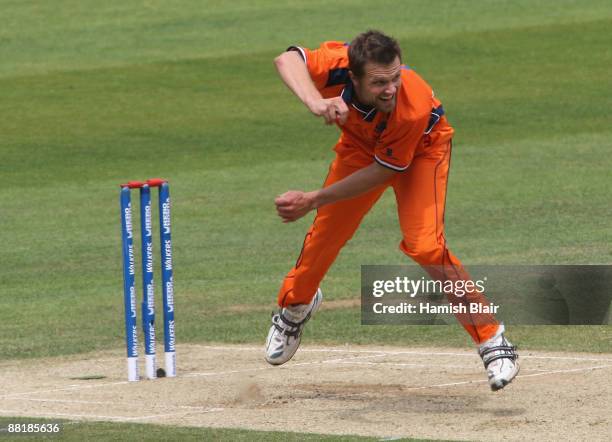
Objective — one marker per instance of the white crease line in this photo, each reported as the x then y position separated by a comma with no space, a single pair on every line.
567,358
367,356
352,358
381,354
95,416
478,381
450,384
221,373
126,404
424,353
69,388
471,355
570,370
398,364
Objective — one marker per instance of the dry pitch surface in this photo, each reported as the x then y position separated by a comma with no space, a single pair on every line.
374,391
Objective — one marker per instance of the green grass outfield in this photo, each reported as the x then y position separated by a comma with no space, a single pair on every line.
95,94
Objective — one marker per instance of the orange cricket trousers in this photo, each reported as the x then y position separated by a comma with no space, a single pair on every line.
420,192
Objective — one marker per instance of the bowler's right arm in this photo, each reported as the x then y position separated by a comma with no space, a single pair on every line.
294,73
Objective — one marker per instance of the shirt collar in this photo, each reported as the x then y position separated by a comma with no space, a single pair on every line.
348,95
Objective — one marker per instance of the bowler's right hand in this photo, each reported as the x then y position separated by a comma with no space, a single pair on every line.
333,110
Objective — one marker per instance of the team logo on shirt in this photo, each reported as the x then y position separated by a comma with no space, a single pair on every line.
389,153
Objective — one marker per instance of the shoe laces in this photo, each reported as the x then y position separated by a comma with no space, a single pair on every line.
284,326
498,349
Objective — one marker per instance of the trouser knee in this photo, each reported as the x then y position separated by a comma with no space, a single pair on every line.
425,252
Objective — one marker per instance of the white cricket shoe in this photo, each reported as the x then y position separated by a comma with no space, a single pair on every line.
500,360
286,331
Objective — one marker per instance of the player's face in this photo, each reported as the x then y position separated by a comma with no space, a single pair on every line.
379,85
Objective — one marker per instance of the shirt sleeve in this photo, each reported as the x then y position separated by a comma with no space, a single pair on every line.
396,147
327,65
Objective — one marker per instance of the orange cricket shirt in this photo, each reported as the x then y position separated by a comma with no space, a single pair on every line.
368,134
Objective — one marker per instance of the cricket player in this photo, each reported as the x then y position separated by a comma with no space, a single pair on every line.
393,134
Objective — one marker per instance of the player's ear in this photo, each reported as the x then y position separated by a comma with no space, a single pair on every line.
353,78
